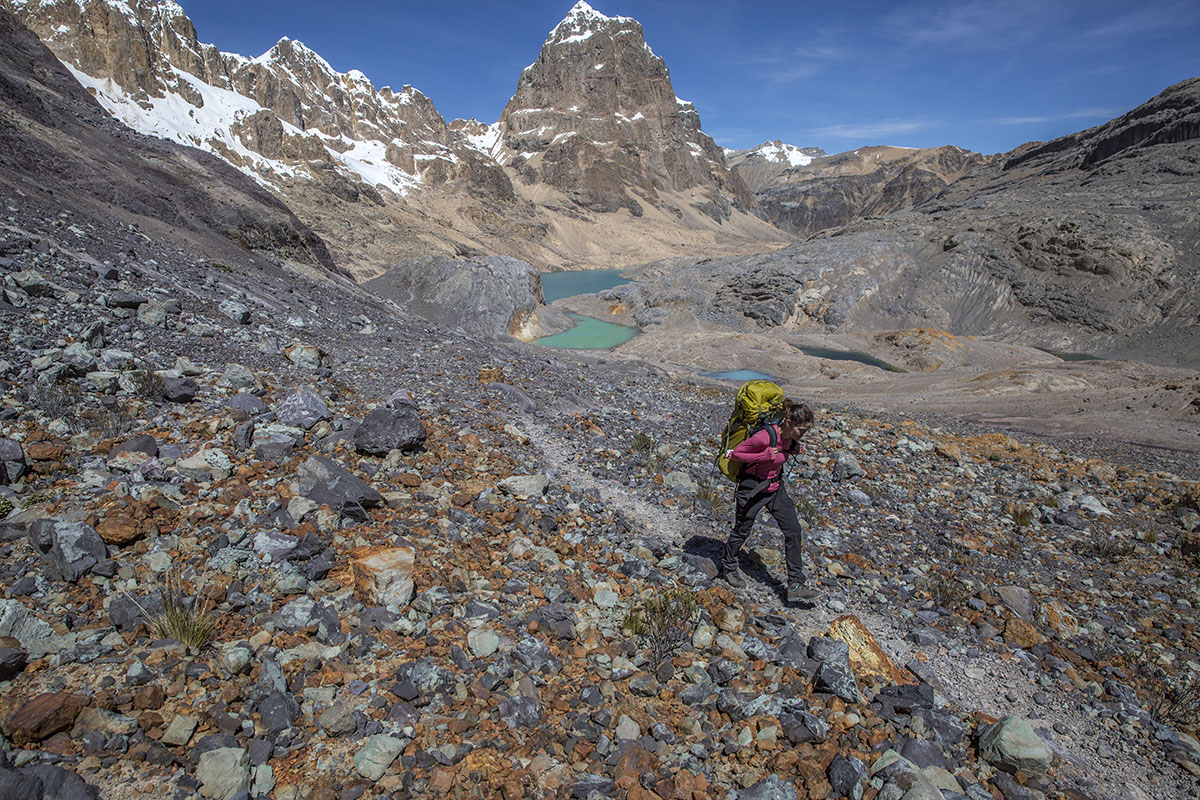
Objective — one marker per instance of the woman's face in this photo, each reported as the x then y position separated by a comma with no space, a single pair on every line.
790,432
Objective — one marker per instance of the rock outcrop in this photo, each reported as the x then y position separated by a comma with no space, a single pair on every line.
827,191
595,116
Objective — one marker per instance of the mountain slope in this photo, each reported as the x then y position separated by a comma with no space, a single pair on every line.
804,194
1087,243
57,140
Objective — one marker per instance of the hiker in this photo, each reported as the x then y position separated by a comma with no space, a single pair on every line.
762,487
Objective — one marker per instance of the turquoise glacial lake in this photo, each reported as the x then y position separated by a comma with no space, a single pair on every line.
589,333
739,375
848,355
557,285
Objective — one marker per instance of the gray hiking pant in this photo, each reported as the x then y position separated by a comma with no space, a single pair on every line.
780,506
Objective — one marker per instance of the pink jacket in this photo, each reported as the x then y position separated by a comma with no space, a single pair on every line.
761,461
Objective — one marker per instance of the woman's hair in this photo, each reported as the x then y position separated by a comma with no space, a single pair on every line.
798,415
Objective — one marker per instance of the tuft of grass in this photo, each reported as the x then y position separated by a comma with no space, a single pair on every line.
946,590
56,400
643,443
6,507
1109,549
1176,704
805,508
190,621
147,384
709,493
665,622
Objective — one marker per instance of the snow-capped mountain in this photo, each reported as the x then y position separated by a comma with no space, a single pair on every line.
282,115
596,117
593,127
762,166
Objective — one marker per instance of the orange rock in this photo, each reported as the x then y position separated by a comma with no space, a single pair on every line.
42,717
1022,633
385,577
45,451
410,479
866,656
119,529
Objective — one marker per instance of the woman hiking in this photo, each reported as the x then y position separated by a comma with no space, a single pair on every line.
761,487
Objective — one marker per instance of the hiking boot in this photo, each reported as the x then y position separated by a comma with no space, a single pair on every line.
734,578
798,592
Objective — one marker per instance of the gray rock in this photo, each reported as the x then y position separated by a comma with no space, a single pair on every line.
374,758
1018,599
847,776
127,300
337,720
75,549
152,313
35,636
801,727
846,466
180,390
326,483
1012,745
238,312
589,785
10,450
126,614
302,408
771,788
520,712
223,772
244,401
836,677
145,443
12,662
279,710
387,429
529,485
79,359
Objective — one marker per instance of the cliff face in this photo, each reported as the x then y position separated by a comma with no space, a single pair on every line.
814,192
596,117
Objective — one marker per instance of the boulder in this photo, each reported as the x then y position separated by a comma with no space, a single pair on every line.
75,548
180,390
302,408
206,465
235,311
373,758
384,578
771,788
305,356
387,429
35,636
1013,746
223,772
525,485
42,717
327,483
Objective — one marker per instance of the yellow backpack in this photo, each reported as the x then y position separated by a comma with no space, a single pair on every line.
758,405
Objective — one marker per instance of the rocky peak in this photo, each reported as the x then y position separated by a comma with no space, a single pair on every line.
596,117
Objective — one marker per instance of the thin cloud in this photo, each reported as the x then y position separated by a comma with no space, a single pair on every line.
981,23
1146,18
872,130
1083,113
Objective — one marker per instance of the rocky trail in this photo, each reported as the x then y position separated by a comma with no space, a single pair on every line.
425,555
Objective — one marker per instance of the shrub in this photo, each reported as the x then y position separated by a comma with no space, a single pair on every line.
1108,549
189,621
665,622
147,385
6,507
946,590
1176,704
56,400
643,443
710,493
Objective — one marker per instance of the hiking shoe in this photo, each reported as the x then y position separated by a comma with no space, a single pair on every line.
798,592
734,578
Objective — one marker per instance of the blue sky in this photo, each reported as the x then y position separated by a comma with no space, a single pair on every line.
980,74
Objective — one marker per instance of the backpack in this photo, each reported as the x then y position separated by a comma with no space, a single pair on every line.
758,405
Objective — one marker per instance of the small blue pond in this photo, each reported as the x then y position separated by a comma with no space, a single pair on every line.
557,285
738,375
848,355
589,333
